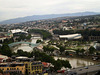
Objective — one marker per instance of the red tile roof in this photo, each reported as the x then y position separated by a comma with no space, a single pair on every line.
1,58
45,64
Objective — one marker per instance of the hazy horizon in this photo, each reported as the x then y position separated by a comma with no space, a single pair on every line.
10,9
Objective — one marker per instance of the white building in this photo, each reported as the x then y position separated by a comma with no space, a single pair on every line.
67,28
18,31
70,36
97,46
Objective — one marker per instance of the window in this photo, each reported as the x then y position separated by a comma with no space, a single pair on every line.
32,68
35,67
7,68
33,73
40,67
29,66
20,72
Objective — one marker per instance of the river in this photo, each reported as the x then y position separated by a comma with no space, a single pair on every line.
77,62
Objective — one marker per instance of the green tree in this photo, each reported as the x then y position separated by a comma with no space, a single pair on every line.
5,50
28,37
61,63
38,41
23,53
8,41
82,51
43,57
62,49
46,58
66,53
92,50
44,33
57,65
77,51
65,63
49,48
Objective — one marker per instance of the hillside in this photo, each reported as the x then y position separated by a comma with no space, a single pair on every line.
41,17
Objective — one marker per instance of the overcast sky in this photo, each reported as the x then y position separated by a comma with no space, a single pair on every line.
19,8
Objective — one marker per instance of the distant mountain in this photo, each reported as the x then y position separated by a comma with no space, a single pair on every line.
40,17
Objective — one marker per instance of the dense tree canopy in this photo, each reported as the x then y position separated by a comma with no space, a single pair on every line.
23,53
8,41
49,48
43,33
38,41
92,50
57,63
24,37
5,50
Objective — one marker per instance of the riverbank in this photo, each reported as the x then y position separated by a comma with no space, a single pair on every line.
77,62
89,57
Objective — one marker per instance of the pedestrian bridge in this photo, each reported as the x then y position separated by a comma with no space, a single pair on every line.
17,43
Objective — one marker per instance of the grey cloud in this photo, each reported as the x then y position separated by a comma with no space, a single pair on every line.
19,8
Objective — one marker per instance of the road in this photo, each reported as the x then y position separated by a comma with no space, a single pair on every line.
88,69
81,70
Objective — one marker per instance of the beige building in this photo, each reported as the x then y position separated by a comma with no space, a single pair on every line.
13,68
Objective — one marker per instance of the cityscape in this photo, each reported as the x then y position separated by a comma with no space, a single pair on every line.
52,44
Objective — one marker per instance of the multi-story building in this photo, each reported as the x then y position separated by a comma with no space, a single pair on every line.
33,68
94,38
13,68
24,65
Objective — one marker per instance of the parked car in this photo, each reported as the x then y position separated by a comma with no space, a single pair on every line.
60,71
86,67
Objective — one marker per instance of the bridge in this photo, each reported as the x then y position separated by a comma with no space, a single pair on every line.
17,43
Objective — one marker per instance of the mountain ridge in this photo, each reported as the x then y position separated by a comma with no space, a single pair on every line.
49,16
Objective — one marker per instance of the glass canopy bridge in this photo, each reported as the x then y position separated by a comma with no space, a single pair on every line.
17,43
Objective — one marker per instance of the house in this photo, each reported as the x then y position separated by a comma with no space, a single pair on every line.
3,58
5,35
56,52
45,64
